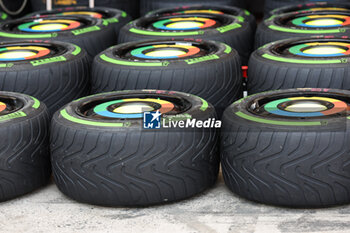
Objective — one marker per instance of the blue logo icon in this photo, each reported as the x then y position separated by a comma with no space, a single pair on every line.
152,120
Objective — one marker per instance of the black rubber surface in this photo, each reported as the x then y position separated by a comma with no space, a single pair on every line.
218,81
50,79
94,37
295,166
240,38
130,166
150,5
24,149
130,6
265,74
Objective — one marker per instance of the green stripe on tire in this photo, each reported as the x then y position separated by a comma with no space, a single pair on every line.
25,36
272,122
131,63
68,117
36,104
283,29
300,61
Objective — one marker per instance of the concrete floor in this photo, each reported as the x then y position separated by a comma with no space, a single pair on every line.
217,210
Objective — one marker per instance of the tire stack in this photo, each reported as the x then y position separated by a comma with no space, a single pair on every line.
286,143
53,72
171,73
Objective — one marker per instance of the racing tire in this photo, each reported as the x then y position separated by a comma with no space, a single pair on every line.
311,6
233,31
89,33
274,6
111,17
150,5
213,9
130,6
57,75
299,158
301,24
105,157
24,155
209,69
294,63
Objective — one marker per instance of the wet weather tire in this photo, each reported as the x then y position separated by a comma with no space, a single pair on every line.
24,144
56,78
150,5
92,35
284,161
111,17
215,75
233,31
229,10
115,162
294,24
284,65
130,6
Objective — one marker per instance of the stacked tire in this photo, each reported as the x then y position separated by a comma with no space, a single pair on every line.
87,32
129,6
208,69
318,62
151,5
203,8
234,31
272,5
111,17
288,147
145,166
24,155
53,72
303,24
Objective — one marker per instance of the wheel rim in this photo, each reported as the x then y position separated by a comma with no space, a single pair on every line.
28,51
165,50
313,48
186,22
300,106
321,49
9,105
321,20
21,53
131,107
48,24
52,25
